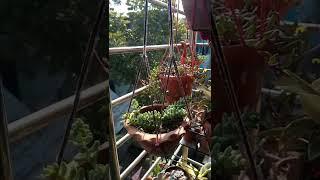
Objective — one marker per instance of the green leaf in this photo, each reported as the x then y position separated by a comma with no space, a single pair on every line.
299,128
272,132
311,105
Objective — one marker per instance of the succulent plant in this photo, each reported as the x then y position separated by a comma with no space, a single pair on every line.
169,119
84,165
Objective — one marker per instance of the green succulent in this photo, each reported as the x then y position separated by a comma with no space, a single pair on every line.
84,165
170,118
227,162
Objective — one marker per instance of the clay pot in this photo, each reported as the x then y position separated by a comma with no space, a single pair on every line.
174,92
167,142
246,68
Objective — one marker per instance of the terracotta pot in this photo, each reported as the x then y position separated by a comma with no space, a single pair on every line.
167,142
174,92
246,68
197,14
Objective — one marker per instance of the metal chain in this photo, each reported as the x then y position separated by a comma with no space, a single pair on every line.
82,76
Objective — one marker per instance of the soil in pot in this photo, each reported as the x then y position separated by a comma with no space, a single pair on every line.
162,144
246,68
173,91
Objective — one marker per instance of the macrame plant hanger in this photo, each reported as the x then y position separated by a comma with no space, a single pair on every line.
172,60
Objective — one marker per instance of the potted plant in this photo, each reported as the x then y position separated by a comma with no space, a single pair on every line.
86,164
170,83
157,128
227,163
247,42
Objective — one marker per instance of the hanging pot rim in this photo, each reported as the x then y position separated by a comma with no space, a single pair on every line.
136,131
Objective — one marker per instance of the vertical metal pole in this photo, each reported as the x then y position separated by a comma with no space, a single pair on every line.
114,164
5,162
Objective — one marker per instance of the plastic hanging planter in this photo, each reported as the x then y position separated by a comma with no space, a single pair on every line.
174,92
197,13
167,142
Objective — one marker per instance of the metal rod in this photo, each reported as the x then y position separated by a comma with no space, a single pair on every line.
5,158
114,164
156,162
124,139
133,49
174,154
162,4
191,160
40,119
126,172
119,143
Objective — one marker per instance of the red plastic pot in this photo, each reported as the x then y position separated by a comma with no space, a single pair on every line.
161,144
174,91
246,68
197,13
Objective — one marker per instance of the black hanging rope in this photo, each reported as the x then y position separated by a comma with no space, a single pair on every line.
172,58
82,76
225,74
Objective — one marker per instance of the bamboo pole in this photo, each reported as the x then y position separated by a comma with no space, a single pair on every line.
5,162
114,164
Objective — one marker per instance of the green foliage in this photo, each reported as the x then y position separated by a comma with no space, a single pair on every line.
169,119
153,93
227,162
84,165
127,30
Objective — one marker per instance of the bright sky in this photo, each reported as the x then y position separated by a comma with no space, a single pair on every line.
123,7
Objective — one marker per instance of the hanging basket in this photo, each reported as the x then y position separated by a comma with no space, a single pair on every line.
197,13
173,91
246,68
167,142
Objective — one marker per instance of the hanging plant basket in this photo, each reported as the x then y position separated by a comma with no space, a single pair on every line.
197,13
173,91
167,142
246,68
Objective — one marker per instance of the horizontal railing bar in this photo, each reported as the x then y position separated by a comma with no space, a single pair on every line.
191,160
124,139
126,172
307,25
133,49
156,162
165,5
40,119
127,96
